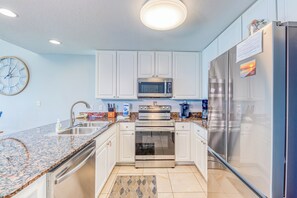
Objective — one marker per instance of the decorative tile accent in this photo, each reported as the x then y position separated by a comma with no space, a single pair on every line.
134,187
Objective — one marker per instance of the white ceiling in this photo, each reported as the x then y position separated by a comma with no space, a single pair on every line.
86,25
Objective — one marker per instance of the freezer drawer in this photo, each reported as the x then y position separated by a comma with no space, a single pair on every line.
224,181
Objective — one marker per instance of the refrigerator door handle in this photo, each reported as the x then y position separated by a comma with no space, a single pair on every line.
235,172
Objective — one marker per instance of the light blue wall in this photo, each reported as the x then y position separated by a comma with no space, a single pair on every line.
57,81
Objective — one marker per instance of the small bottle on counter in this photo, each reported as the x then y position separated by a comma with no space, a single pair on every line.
58,126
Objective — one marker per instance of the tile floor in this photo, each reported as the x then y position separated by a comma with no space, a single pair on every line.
178,182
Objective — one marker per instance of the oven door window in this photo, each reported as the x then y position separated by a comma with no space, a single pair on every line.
154,143
151,87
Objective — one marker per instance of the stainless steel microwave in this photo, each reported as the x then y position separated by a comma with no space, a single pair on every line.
154,87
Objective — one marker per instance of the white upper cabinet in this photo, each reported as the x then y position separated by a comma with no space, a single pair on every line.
208,54
106,74
163,67
154,64
230,37
127,75
186,75
262,9
146,64
287,10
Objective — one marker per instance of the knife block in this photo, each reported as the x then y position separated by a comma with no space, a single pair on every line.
112,114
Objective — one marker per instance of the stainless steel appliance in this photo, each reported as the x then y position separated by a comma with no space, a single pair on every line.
155,137
75,177
154,87
252,116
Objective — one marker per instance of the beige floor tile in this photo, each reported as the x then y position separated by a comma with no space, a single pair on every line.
194,169
116,169
189,195
201,181
109,184
163,183
130,170
102,196
180,169
154,171
165,195
184,182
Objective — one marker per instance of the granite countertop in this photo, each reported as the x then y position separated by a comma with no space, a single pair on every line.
27,155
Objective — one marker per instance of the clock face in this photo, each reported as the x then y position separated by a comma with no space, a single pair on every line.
14,76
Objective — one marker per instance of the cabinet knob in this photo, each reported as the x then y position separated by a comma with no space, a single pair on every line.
113,96
132,133
156,75
126,127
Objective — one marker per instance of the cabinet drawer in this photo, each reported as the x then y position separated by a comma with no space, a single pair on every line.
182,126
201,132
127,126
105,135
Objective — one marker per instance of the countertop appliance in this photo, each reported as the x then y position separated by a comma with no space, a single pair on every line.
154,87
184,110
75,177
154,137
252,116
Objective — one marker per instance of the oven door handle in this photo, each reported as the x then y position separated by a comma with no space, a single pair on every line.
155,129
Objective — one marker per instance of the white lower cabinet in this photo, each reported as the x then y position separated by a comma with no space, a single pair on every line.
127,142
105,157
199,149
35,190
183,142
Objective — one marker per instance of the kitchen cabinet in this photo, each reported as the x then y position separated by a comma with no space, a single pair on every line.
127,142
146,64
230,37
106,74
186,75
287,10
154,64
208,54
105,157
126,75
37,189
262,9
183,143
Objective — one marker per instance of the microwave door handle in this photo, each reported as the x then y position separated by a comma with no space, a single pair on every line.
75,169
165,87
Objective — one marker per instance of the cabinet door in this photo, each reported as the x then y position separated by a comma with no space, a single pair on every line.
112,153
101,167
262,9
204,159
230,37
208,54
35,190
127,146
186,75
105,74
163,64
126,75
182,146
199,153
146,64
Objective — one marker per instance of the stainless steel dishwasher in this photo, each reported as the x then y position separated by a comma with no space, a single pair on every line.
75,177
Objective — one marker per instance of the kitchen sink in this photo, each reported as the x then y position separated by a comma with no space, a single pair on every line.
79,131
93,124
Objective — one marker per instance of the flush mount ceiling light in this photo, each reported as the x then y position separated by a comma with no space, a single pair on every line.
163,14
7,12
55,42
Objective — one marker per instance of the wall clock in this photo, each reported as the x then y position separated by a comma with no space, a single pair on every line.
14,75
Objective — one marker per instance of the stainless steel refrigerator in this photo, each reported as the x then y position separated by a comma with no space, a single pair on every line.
252,123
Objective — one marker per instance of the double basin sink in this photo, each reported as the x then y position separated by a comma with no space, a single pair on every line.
86,128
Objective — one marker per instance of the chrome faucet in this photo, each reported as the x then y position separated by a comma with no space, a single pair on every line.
72,116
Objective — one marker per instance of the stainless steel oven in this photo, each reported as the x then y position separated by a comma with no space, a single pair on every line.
155,137
154,87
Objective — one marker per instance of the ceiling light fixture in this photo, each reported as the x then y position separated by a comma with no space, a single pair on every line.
7,12
55,42
163,14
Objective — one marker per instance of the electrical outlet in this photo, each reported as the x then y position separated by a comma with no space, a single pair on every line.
38,103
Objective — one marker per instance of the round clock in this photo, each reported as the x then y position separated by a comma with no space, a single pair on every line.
14,75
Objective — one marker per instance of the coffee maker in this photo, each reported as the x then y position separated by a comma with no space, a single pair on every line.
184,110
